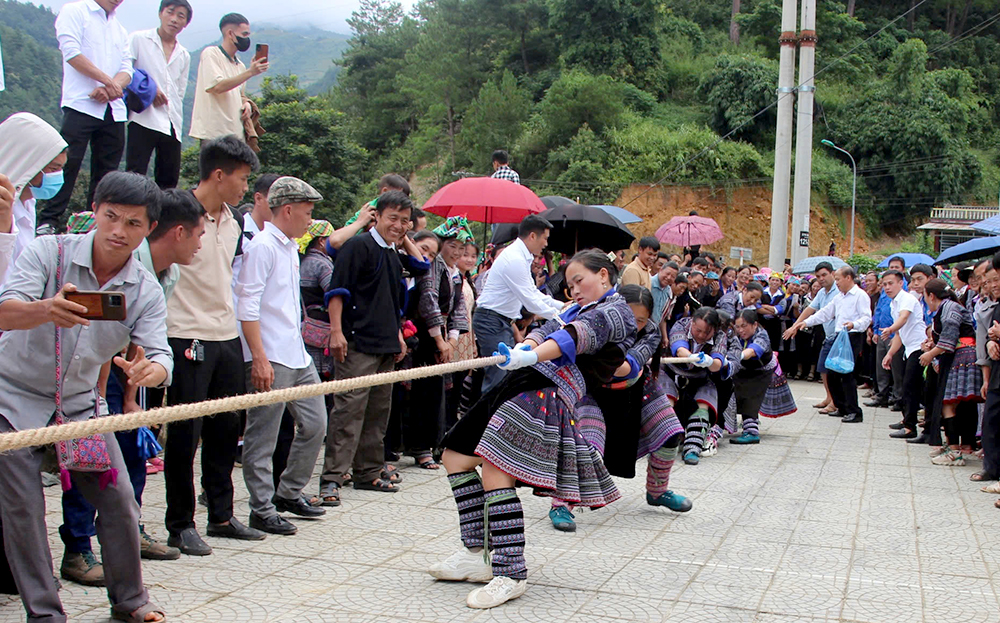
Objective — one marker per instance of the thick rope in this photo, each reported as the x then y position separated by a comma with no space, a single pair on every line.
164,415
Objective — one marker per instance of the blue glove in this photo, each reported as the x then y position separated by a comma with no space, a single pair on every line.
701,360
516,358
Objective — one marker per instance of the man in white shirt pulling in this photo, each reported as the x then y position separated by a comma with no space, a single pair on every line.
269,311
159,127
908,325
851,311
508,288
97,67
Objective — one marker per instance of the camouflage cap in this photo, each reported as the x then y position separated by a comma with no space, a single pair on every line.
290,189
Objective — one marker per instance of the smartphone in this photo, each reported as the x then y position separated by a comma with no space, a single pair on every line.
100,305
261,51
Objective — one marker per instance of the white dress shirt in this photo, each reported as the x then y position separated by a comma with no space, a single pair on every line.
268,292
84,28
511,287
171,76
853,306
914,332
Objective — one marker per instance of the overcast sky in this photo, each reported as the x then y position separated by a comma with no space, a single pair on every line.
204,28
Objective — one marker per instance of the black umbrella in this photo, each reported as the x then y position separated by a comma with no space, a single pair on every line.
503,233
576,227
555,201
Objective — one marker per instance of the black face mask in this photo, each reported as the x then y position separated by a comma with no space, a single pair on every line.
242,43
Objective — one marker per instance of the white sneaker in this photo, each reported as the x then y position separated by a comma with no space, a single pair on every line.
464,565
499,591
711,447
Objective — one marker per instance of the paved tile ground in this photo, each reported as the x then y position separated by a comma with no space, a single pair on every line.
822,521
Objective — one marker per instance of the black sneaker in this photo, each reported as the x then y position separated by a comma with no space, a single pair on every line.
273,525
897,426
300,507
904,434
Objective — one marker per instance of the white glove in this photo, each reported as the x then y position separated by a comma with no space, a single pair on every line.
701,360
522,346
516,358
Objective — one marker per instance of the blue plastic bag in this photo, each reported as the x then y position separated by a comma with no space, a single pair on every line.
841,357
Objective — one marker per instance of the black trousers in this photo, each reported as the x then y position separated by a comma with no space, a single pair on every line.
106,138
424,422
991,433
913,381
142,142
218,376
844,387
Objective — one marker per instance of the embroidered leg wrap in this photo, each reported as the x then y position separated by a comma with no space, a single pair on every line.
468,491
716,433
505,521
658,466
694,437
750,426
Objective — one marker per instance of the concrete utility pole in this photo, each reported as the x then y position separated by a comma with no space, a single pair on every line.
783,138
804,133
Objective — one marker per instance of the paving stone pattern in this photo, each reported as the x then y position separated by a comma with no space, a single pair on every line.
822,521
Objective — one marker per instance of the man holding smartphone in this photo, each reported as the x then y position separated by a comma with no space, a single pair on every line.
220,101
33,308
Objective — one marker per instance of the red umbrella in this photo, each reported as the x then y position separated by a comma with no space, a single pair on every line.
484,200
686,231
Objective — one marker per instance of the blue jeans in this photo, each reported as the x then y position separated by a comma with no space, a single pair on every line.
78,513
491,328
823,354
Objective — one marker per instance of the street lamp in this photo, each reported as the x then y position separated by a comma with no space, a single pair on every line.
854,190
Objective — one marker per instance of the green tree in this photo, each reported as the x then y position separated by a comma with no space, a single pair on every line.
379,113
494,120
737,89
308,138
610,36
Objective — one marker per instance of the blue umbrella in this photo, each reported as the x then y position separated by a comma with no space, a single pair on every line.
621,214
909,259
988,226
808,265
970,250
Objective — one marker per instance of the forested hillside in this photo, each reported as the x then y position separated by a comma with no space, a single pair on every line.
592,95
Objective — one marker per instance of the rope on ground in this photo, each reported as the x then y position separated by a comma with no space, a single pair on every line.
165,415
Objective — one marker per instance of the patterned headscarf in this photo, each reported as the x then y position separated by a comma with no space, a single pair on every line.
318,229
455,227
81,223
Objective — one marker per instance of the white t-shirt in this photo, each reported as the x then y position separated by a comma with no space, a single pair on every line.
914,332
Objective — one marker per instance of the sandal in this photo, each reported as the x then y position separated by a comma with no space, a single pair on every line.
991,488
139,614
329,494
391,473
425,461
348,479
981,476
379,484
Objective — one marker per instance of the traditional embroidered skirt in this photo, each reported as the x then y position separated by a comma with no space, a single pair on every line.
525,429
685,389
778,401
965,378
627,424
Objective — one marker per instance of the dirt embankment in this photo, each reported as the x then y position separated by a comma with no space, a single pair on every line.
743,213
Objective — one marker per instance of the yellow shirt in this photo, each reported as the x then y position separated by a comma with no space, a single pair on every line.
219,114
201,306
636,273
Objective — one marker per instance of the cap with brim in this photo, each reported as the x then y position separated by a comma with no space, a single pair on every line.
289,189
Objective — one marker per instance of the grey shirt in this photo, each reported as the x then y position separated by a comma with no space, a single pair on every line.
984,316
27,358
